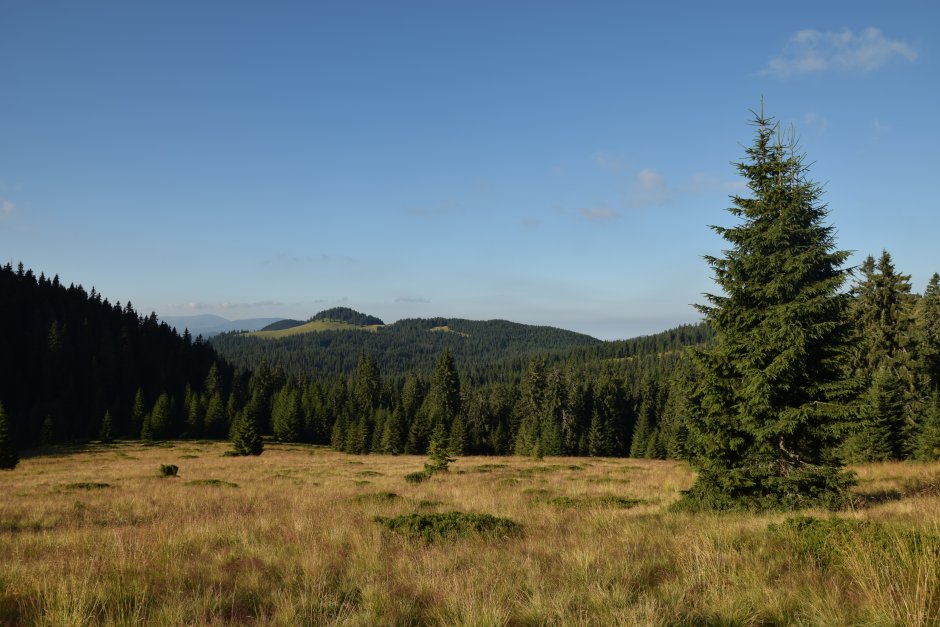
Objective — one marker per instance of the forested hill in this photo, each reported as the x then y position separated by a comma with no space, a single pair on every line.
68,357
484,350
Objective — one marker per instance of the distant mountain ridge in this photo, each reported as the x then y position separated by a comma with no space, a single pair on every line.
325,345
208,325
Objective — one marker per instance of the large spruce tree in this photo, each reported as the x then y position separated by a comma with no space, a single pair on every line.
770,404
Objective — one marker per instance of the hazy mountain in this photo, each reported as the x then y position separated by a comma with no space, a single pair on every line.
208,325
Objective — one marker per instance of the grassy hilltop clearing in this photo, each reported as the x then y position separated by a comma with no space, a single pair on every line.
97,536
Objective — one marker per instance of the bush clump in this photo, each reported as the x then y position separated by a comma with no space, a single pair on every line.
417,477
213,482
606,500
450,526
169,470
88,485
381,497
827,540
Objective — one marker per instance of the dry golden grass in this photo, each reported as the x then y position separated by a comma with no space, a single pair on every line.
294,543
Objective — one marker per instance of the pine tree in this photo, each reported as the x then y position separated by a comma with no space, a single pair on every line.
771,402
246,437
928,440
883,316
8,455
928,326
160,418
215,424
444,397
285,415
104,433
438,451
138,413
393,434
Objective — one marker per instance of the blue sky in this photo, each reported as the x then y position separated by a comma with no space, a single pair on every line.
543,162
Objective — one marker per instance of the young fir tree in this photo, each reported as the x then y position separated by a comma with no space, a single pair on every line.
246,436
438,451
928,327
104,433
772,400
8,455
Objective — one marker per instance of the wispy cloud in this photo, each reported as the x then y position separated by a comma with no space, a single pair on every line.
530,222
430,211
411,300
815,121
7,207
196,306
609,162
599,214
306,260
810,51
649,189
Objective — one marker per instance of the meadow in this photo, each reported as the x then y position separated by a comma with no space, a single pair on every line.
96,536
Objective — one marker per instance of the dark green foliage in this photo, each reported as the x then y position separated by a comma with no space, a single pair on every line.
450,526
281,325
216,483
883,312
771,401
350,316
158,426
438,452
87,485
286,417
105,432
417,477
827,541
607,500
928,440
928,331
246,436
376,497
169,470
70,355
9,458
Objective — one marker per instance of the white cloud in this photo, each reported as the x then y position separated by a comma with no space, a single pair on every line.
810,51
599,214
7,207
814,120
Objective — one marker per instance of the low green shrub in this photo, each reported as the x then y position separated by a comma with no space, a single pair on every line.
605,500
417,477
169,470
213,482
450,526
379,497
87,485
826,541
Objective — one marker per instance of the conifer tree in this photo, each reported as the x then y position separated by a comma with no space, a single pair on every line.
8,455
438,451
771,402
928,440
104,434
444,397
160,418
246,437
928,326
883,316
393,433
138,413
